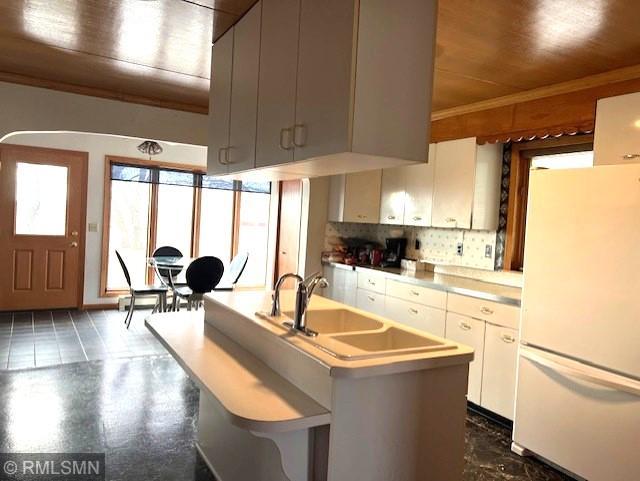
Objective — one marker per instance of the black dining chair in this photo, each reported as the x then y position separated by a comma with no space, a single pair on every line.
203,275
160,292
164,274
233,273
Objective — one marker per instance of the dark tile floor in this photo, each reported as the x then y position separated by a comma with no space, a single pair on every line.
47,338
142,412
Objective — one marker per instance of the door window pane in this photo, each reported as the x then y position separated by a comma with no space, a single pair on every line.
41,199
175,217
216,224
128,232
254,237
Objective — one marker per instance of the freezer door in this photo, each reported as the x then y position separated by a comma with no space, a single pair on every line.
580,418
581,293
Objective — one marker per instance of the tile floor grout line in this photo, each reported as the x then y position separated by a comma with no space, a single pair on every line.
33,332
78,336
55,334
104,344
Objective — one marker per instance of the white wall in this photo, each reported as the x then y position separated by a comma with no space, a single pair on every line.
315,207
97,147
24,108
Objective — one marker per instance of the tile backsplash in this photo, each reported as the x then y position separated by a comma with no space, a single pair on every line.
438,246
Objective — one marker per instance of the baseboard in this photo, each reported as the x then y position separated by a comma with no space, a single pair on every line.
96,307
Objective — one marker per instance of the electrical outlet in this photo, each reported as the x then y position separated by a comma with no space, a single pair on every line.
488,250
459,248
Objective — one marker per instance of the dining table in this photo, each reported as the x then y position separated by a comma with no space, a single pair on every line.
180,263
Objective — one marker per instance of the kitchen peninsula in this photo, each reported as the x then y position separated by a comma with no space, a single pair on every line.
366,398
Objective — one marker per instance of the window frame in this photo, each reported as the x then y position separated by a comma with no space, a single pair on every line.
153,216
521,155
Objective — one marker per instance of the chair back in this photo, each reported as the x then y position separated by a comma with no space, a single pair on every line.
237,266
204,273
167,251
124,269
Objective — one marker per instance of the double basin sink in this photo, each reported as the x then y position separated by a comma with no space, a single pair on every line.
348,335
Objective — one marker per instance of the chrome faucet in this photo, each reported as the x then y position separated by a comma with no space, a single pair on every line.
275,307
304,291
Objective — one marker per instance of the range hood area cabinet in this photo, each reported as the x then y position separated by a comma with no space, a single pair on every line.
407,193
466,191
322,87
355,197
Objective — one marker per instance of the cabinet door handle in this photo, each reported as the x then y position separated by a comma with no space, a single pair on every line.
450,219
220,159
414,293
371,298
486,310
630,156
371,282
361,216
416,217
464,326
508,338
391,217
299,132
413,311
288,145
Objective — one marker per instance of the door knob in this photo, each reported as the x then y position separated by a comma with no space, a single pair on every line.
74,244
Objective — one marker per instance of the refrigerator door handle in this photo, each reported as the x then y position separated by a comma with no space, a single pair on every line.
580,371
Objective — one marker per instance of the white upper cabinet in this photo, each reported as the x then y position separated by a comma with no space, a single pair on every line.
467,185
220,104
419,191
342,86
355,197
277,84
392,198
244,92
617,134
407,193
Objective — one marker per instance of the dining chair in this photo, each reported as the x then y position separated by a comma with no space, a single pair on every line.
233,273
160,292
163,274
203,275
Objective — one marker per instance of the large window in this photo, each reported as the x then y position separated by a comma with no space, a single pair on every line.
148,205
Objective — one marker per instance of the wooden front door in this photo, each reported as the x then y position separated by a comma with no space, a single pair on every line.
42,216
289,228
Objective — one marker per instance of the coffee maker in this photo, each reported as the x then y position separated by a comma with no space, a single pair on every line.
396,248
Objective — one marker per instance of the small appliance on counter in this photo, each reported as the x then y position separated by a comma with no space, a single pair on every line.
394,251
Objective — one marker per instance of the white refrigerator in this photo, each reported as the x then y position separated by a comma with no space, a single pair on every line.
578,386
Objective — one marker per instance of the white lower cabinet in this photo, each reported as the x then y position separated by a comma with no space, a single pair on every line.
342,285
414,315
499,370
370,301
469,331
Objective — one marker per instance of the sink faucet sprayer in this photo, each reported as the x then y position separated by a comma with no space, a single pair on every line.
304,291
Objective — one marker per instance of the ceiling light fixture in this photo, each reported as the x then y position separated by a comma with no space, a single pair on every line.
150,147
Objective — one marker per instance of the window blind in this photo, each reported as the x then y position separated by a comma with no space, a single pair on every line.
155,175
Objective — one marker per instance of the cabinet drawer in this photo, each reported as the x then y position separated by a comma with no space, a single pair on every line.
499,370
428,319
465,330
370,301
418,294
493,312
371,281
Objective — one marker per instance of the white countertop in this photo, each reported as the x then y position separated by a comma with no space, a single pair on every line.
456,284
254,396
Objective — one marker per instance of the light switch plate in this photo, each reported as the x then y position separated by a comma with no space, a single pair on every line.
92,227
488,250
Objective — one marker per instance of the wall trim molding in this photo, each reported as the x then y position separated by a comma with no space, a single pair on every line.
612,76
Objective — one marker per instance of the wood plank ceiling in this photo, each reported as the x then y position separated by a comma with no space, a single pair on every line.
158,51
